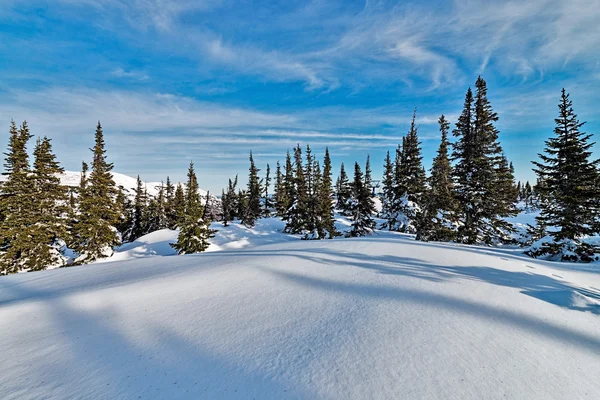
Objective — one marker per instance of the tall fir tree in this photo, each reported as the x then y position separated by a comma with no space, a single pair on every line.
254,210
195,233
98,214
17,204
297,218
179,206
387,196
326,226
139,212
281,194
267,201
230,201
478,184
50,212
570,189
169,206
361,206
438,220
343,191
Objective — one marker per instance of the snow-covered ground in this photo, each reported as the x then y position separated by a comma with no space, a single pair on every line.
273,317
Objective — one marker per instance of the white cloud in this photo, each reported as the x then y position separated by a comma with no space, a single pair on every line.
131,74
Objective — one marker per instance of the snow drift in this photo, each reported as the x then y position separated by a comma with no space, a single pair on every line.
379,317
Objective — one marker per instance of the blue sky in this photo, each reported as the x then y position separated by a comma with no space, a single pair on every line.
208,81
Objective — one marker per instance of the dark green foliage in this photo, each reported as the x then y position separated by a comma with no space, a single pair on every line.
479,174
361,206
281,194
138,218
297,217
343,192
325,216
253,211
178,207
387,196
229,202
95,232
195,232
17,205
267,200
411,174
568,185
437,220
170,213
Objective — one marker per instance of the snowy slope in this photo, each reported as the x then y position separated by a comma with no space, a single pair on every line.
380,317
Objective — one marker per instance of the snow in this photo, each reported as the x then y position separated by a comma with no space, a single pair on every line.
273,317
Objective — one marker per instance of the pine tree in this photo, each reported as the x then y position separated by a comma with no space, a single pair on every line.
476,174
254,195
169,206
569,189
281,194
343,192
437,222
413,173
387,206
230,202
50,211
98,213
125,209
297,218
17,205
326,226
311,188
138,223
361,206
179,206
195,232
267,205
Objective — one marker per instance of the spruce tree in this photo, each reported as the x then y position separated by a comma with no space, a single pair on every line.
267,205
437,221
281,194
311,195
569,189
297,218
254,210
361,206
138,223
387,198
17,204
125,209
325,212
195,232
169,206
179,206
413,174
343,192
476,175
230,202
98,213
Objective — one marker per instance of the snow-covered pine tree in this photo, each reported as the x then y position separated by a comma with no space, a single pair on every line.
387,196
343,191
254,193
98,215
267,202
195,232
361,206
570,189
140,204
281,199
326,225
50,212
169,210
438,221
178,206
297,215
311,193
16,203
479,157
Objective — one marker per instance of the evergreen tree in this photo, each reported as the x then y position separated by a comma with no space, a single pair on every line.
476,175
570,189
169,206
281,200
179,206
98,213
361,206
267,205
343,192
326,226
438,222
387,198
412,171
17,205
138,223
368,173
195,232
230,202
254,194
297,218
125,209
311,195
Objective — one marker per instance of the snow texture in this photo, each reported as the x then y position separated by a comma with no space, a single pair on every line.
274,317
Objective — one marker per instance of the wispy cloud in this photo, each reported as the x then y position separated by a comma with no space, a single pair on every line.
131,74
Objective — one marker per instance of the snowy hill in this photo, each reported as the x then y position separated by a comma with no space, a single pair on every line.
72,178
378,317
